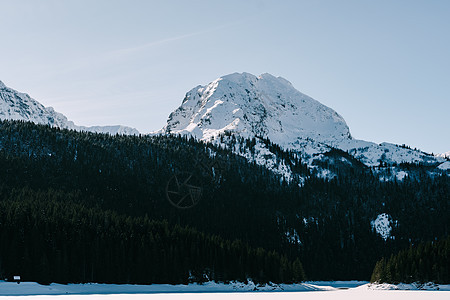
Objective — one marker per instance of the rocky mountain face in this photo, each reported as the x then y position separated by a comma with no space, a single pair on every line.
263,106
20,106
271,108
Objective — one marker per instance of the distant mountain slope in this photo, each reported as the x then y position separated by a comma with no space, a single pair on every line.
445,154
270,107
15,105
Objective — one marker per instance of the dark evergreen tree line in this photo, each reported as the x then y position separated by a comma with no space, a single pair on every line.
425,262
326,223
47,236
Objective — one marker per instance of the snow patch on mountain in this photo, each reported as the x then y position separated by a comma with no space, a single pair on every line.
445,166
110,129
263,157
382,225
259,153
293,237
15,105
401,175
444,155
372,154
325,174
391,174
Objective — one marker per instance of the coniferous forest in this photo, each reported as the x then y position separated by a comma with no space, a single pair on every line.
428,261
51,238
85,207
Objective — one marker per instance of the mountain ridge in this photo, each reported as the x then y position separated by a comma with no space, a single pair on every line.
444,155
261,107
16,105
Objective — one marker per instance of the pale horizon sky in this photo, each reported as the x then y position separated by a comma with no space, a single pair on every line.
383,65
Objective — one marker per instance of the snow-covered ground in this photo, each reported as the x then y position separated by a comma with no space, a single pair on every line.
308,290
32,288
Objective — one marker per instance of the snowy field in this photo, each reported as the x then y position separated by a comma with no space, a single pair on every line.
309,291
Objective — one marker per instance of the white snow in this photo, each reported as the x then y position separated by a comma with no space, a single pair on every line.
444,166
20,106
382,225
401,175
293,237
444,155
32,288
325,174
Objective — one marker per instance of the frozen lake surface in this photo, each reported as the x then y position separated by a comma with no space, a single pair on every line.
309,291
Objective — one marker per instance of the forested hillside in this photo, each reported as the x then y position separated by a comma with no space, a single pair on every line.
326,223
425,262
51,237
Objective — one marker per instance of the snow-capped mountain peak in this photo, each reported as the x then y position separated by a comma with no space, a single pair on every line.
15,105
270,107
263,106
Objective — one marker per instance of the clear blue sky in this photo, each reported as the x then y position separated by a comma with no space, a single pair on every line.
383,65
